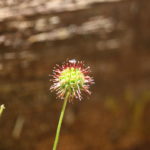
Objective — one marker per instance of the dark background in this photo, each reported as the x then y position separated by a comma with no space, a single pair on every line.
113,37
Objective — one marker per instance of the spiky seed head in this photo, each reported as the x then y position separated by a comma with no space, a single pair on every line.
72,77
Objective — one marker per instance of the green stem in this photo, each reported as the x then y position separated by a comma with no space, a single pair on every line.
60,122
2,107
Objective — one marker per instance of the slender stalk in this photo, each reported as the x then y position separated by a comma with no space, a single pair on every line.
60,122
2,107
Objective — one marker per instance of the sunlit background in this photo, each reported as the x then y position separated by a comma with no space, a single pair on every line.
112,37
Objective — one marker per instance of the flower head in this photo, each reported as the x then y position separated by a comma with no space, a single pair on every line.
73,78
